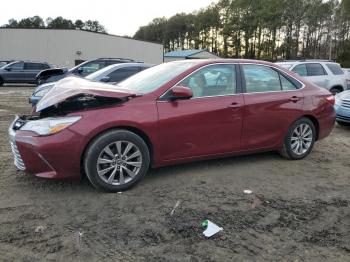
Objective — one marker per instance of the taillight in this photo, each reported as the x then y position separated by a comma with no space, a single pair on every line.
331,100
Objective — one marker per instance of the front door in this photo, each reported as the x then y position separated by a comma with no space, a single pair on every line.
208,123
14,73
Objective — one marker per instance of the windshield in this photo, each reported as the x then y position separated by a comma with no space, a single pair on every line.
154,77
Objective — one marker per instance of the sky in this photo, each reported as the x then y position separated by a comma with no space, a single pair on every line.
119,17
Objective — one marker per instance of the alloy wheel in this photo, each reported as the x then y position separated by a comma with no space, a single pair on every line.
301,139
119,163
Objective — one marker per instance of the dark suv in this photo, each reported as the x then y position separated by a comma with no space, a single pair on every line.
22,72
83,69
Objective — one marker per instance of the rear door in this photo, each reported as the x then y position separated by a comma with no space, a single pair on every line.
273,101
31,70
208,123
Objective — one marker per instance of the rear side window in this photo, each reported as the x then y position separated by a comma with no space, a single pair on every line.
315,70
35,66
335,69
122,73
300,70
261,79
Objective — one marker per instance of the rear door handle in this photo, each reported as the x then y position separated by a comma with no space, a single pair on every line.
234,105
294,99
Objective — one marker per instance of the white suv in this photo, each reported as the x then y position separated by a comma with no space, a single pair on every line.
323,73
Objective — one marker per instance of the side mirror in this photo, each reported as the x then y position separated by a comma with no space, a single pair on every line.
180,92
105,79
8,68
80,70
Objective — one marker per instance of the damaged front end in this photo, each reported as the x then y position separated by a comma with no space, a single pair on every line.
75,94
52,113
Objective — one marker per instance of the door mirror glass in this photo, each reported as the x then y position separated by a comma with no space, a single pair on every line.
180,92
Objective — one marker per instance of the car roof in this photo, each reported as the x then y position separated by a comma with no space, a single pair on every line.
306,61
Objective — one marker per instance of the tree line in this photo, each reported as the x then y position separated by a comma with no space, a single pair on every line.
56,23
259,29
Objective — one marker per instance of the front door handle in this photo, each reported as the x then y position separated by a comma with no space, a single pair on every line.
294,99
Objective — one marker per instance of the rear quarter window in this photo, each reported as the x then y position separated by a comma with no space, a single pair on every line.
335,69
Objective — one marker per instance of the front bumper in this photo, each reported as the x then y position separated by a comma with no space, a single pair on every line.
56,156
17,159
343,114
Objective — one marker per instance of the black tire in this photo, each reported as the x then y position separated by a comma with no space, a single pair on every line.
343,123
335,90
97,148
1,81
287,151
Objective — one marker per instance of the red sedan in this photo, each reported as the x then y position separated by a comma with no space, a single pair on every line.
172,113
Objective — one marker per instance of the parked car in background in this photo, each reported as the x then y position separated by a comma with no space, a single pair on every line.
22,72
342,107
171,113
110,74
324,73
83,69
5,62
347,75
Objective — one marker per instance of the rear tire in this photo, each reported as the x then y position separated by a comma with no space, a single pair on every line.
116,160
300,139
335,90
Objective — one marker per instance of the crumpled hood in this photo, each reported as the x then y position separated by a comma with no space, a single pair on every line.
73,86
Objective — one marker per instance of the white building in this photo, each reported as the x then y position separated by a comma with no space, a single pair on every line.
188,54
66,48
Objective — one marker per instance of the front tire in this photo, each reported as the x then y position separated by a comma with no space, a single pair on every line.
116,160
299,140
1,81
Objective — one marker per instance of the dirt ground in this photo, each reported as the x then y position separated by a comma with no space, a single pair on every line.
299,210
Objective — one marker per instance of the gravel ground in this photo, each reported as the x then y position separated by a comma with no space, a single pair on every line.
299,210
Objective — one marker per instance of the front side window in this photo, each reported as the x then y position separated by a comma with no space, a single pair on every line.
300,70
260,79
315,69
16,66
122,73
214,80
